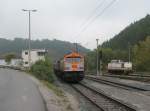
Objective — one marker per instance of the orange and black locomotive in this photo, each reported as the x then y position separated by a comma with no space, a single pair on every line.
70,67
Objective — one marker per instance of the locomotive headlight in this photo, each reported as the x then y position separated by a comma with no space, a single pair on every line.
81,66
67,68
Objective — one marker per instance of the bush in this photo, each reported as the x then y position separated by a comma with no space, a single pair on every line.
43,70
9,57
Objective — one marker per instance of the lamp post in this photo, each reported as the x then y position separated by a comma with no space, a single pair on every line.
29,39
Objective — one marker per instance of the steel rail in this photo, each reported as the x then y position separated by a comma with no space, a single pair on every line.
116,84
131,76
102,100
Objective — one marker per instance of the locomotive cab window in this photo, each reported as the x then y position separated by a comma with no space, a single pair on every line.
78,59
69,60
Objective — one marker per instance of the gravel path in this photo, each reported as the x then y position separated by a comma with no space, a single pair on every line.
55,102
83,103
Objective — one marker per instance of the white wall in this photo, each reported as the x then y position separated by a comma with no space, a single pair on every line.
34,56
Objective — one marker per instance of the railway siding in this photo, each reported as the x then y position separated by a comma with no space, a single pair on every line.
102,100
128,83
116,84
137,77
135,98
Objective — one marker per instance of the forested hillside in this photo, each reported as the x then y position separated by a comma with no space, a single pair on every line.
55,47
141,55
132,34
135,37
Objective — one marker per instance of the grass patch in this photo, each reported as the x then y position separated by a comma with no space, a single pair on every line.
56,90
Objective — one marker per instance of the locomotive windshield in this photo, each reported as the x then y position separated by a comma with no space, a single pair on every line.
78,59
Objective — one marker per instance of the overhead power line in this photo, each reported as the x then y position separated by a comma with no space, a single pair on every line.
91,21
90,16
93,12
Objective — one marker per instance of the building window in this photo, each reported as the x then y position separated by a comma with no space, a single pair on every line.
26,53
26,62
41,53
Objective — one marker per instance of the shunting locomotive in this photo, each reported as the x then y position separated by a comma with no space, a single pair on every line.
71,67
119,66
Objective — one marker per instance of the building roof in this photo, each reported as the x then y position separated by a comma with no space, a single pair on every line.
43,50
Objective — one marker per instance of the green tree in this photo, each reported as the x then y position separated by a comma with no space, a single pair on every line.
43,70
9,57
107,55
56,48
90,61
133,33
141,55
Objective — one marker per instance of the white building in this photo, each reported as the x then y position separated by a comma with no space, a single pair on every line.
36,54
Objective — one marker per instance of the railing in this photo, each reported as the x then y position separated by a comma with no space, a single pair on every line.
13,67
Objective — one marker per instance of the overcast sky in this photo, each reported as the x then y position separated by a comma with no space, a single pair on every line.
68,19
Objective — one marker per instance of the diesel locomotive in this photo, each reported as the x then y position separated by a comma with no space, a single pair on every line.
119,67
70,68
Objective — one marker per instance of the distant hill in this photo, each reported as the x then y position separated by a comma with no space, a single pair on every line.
132,34
55,47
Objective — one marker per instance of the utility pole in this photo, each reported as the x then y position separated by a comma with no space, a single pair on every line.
100,62
29,39
129,52
97,58
77,47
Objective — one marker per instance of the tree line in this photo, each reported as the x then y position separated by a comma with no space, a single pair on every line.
136,37
56,48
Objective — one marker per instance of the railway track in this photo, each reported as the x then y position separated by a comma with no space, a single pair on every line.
103,101
138,77
116,84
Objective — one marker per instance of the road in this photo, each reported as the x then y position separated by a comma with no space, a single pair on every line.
18,92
